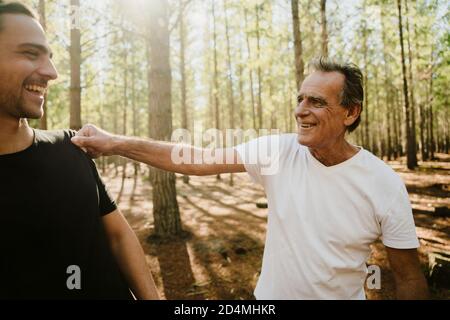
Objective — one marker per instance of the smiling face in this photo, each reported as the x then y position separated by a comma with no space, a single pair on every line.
25,67
321,119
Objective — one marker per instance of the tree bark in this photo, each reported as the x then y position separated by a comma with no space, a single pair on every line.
42,19
125,111
323,14
397,127
411,83
432,147
165,206
184,112
134,107
366,115
298,50
252,92
216,77
240,71
75,77
230,79
258,54
411,157
387,89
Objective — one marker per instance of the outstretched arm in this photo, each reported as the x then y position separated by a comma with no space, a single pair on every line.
409,279
184,159
129,256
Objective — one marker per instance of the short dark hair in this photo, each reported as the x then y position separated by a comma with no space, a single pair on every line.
353,92
15,8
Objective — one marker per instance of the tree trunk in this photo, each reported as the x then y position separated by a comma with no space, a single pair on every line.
411,83
366,139
75,77
422,124
230,79
133,106
240,71
323,14
184,112
42,19
165,206
258,54
447,133
411,157
125,114
298,50
422,114
116,159
389,150
216,78
252,92
387,89
397,127
377,144
430,121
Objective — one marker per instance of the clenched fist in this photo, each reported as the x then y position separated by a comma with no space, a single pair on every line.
95,141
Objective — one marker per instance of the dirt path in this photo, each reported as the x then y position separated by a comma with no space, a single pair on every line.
220,257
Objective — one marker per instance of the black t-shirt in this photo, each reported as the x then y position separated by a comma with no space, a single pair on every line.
51,205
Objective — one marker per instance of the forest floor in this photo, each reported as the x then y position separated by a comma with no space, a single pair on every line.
221,253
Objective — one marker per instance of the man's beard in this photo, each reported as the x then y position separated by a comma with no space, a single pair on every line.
14,106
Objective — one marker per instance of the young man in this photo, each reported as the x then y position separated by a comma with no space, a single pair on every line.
61,235
328,200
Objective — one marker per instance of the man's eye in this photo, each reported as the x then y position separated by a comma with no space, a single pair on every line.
318,103
31,54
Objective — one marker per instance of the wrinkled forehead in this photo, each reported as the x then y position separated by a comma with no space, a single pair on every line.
323,84
16,29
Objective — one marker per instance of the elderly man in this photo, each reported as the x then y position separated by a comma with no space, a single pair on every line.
328,199
61,235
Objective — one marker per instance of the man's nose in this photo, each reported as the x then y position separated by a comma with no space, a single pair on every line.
48,70
302,109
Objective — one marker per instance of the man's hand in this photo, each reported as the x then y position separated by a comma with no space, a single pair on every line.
95,141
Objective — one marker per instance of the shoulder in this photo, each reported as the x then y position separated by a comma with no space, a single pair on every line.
384,183
280,142
54,136
272,147
289,140
58,141
379,170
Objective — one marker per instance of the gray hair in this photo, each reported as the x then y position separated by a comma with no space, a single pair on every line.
353,92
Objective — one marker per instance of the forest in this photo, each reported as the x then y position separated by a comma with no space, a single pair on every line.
146,68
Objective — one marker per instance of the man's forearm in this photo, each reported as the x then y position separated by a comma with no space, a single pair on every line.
131,260
184,159
154,153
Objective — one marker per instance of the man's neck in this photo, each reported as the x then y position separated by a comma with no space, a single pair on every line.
334,154
15,135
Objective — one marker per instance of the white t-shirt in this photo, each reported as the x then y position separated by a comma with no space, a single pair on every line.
322,219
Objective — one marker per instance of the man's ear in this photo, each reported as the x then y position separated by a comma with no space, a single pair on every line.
353,113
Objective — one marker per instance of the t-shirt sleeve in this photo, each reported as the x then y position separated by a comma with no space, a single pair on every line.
261,157
106,203
397,226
